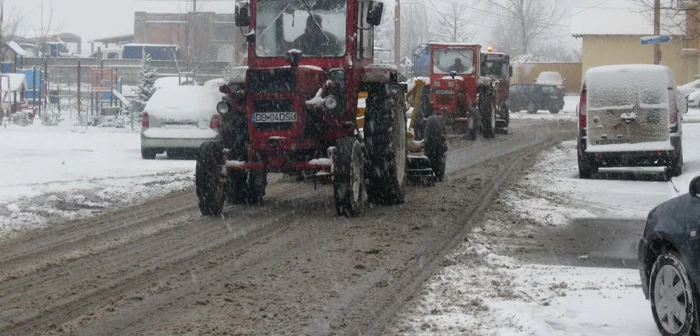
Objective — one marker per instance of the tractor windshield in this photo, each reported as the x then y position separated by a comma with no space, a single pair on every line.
282,25
496,67
458,60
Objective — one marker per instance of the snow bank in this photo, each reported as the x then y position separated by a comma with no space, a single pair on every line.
184,102
52,175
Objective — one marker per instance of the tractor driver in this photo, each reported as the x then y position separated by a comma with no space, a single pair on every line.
315,41
458,67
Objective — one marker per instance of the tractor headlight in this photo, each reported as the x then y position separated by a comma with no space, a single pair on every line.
330,103
223,107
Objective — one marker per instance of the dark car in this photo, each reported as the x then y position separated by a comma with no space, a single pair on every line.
534,97
669,259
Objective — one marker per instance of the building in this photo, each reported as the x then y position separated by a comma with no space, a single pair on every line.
201,36
612,36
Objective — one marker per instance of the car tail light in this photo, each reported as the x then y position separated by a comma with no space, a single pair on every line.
673,116
144,120
215,122
582,110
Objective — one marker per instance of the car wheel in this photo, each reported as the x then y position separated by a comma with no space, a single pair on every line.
672,296
148,153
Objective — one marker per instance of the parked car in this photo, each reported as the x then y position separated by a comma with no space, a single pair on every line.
179,119
689,88
629,116
669,255
534,97
551,78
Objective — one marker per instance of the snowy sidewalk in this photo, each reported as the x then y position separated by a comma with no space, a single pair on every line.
479,291
52,174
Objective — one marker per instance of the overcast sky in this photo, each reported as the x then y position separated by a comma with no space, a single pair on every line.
92,19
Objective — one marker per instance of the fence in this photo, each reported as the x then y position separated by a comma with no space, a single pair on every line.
78,91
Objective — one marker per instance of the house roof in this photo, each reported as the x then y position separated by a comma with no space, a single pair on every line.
16,48
115,39
631,20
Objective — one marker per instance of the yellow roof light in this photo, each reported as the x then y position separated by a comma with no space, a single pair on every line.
490,48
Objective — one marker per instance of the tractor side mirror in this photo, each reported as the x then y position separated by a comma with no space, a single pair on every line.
374,13
694,187
242,15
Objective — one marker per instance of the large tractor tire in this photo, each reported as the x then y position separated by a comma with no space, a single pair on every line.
436,146
211,185
256,184
487,111
425,110
505,113
234,130
386,150
348,177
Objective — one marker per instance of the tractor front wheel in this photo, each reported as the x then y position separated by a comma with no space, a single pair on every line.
211,185
436,146
348,177
386,150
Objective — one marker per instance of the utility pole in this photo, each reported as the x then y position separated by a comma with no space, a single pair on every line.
194,6
657,30
397,33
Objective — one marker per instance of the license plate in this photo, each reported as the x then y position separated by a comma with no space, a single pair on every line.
274,117
610,142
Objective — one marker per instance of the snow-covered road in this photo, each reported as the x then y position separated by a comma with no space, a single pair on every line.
51,174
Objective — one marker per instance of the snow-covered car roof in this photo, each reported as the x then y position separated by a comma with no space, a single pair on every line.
214,83
184,103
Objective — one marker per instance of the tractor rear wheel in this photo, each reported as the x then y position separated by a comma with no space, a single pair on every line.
386,150
436,146
234,131
211,185
348,177
487,110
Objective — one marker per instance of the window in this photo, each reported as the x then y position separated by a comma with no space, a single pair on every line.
282,25
448,60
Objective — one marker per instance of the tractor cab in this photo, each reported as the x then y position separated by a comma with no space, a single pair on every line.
454,71
496,66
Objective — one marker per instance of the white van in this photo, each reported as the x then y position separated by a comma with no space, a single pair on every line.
629,116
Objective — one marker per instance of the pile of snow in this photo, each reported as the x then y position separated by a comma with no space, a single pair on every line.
184,103
52,174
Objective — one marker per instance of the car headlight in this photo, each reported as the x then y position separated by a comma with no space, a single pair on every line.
223,107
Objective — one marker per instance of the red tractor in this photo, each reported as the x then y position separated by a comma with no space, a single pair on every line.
456,89
497,66
293,109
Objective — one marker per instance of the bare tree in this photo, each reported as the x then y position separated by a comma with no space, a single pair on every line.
523,22
46,28
196,40
415,28
677,18
453,24
9,28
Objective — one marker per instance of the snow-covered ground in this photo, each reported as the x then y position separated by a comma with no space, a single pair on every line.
568,113
479,292
52,174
